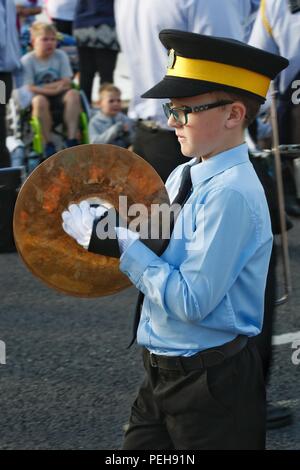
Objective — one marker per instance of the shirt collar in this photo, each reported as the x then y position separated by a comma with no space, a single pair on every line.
219,163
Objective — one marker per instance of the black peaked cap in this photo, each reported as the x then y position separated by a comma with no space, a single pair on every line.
217,50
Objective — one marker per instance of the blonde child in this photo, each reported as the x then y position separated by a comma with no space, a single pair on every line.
109,125
48,75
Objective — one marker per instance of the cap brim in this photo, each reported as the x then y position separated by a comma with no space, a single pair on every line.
174,87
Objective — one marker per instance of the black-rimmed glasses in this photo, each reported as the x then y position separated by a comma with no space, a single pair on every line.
180,114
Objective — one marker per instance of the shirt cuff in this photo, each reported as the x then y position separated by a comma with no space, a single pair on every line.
135,260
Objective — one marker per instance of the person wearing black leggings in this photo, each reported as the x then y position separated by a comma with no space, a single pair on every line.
94,30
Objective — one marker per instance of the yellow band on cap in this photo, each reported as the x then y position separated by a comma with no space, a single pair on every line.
223,74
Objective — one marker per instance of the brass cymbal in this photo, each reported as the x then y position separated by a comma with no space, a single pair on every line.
90,171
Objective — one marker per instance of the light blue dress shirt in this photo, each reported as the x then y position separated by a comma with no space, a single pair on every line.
208,286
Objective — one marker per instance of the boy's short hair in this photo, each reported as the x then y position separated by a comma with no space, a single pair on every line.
108,88
38,28
251,104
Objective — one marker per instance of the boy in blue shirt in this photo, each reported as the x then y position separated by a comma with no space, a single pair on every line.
203,294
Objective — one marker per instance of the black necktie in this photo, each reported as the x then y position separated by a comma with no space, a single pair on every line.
182,195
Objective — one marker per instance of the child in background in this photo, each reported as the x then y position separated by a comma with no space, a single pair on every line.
48,75
109,125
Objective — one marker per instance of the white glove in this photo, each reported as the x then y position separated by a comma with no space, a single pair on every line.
78,221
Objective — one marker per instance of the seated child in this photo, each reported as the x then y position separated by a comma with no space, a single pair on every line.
109,125
47,74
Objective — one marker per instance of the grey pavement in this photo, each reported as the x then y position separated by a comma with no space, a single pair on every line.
69,380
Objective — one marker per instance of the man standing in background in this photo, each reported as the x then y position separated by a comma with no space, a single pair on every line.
138,24
95,33
277,30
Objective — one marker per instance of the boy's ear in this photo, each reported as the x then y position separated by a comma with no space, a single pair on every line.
237,115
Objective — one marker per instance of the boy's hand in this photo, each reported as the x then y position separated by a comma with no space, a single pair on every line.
81,222
58,87
63,85
51,89
43,90
79,219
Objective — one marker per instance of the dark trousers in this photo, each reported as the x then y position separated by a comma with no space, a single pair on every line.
289,133
93,60
7,203
295,128
264,340
222,407
6,77
289,117
160,148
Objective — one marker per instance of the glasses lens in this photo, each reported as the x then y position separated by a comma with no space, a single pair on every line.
167,110
177,114
180,116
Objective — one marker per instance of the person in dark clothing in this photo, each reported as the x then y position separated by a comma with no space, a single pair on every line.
94,30
62,14
154,141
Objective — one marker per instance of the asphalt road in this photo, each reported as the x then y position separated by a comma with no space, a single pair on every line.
69,380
